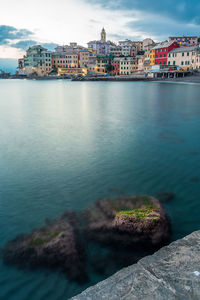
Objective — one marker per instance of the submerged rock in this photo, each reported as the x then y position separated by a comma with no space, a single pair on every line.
127,221
165,196
53,246
133,226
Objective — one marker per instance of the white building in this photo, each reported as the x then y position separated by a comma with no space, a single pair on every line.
147,44
127,47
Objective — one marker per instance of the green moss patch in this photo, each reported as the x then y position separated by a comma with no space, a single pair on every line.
140,213
46,238
36,242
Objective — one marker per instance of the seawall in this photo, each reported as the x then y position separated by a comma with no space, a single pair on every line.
171,273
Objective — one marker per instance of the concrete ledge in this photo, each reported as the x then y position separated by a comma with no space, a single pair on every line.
171,273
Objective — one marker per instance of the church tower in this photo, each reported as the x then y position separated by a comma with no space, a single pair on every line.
103,35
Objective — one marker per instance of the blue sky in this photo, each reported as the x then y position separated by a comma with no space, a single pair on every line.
51,22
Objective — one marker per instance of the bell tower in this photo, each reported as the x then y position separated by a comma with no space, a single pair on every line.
103,35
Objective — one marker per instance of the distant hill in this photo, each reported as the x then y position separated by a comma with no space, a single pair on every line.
8,65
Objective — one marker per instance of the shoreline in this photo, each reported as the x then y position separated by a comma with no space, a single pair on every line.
195,79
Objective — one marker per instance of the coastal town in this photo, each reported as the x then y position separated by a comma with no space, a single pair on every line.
103,58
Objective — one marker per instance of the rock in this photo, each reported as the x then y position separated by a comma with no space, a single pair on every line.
132,227
128,221
53,246
172,273
195,179
165,196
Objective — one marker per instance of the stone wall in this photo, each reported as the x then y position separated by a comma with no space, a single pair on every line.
171,273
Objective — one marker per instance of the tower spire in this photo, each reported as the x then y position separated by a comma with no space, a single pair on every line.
103,35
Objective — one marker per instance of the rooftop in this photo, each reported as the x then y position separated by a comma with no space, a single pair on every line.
185,49
163,45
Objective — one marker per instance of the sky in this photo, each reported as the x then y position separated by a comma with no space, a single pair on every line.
49,22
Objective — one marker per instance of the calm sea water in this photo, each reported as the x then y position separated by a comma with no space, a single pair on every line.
65,144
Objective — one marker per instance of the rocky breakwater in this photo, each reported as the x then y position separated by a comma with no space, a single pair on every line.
54,246
128,221
129,227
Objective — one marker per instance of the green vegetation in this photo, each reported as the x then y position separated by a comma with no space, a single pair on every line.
36,242
46,238
140,213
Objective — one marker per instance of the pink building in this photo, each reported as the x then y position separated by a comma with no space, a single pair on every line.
184,40
115,50
115,62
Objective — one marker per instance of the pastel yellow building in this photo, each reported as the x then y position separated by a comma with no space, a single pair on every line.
152,57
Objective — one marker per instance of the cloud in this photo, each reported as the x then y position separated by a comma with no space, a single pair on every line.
9,33
124,36
161,28
183,10
94,21
49,46
25,44
155,18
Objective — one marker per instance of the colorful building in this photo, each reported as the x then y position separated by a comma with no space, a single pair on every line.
115,51
115,63
64,60
87,57
184,40
37,60
162,50
187,58
128,65
152,57
71,48
147,44
101,46
140,63
102,62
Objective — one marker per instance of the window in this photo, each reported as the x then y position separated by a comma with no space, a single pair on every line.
168,62
174,63
183,53
188,54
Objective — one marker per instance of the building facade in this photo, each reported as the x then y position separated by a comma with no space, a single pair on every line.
162,50
186,58
87,57
64,60
128,65
152,57
140,63
115,51
184,40
115,62
147,44
37,60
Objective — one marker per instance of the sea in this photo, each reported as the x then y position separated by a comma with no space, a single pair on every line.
64,144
